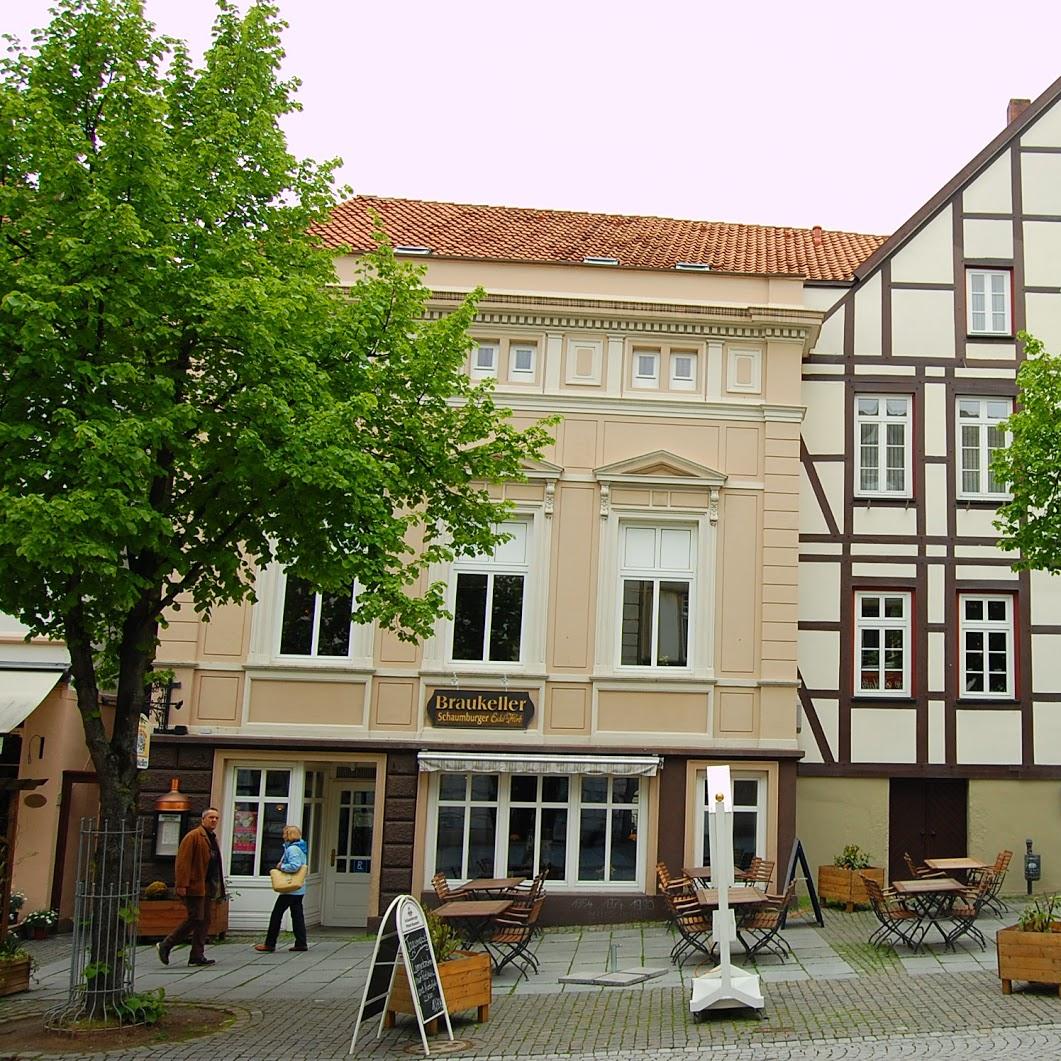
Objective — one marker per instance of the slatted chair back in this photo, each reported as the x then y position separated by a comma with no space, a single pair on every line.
748,872
916,871
761,874
896,919
763,925
693,925
669,884
442,889
511,935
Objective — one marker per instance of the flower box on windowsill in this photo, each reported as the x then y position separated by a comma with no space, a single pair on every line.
159,917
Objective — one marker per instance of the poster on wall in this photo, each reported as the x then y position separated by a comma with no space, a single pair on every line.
244,832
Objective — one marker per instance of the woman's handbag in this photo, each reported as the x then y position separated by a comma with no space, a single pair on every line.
284,882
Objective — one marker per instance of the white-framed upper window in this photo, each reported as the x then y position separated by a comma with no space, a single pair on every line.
583,829
979,435
256,819
646,367
989,301
488,600
522,358
882,641
484,359
314,624
749,818
683,369
986,638
882,425
657,577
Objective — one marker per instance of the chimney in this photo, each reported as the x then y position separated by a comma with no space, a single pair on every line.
816,235
1015,109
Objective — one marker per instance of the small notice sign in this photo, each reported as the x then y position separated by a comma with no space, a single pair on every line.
403,937
480,709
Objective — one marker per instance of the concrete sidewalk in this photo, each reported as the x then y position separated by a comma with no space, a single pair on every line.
837,988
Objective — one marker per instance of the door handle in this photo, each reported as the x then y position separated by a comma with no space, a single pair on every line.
333,856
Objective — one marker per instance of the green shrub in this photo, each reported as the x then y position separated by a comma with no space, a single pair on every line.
1041,915
444,941
852,857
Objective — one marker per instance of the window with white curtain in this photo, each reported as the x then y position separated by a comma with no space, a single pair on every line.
882,425
989,301
980,435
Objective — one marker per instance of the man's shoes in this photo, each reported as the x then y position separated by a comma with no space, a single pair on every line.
264,948
201,961
297,947
163,953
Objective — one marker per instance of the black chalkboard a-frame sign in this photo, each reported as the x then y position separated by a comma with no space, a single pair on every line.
403,937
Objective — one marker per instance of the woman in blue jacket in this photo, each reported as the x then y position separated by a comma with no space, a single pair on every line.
295,857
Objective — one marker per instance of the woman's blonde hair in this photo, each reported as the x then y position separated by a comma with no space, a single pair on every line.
292,832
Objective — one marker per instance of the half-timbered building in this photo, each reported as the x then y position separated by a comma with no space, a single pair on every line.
930,670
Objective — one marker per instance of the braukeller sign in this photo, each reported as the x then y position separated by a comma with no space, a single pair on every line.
480,709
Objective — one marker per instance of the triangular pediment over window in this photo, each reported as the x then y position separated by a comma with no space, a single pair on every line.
539,469
660,467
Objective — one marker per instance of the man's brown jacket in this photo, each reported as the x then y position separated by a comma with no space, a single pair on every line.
193,857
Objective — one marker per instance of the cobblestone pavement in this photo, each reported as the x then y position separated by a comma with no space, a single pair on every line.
839,998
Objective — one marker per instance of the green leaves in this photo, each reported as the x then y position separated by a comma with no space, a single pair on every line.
1031,522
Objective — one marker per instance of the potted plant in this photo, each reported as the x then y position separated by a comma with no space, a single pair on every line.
841,883
15,903
1031,949
160,912
38,924
466,979
16,965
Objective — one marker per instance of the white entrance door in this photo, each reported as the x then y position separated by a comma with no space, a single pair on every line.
348,866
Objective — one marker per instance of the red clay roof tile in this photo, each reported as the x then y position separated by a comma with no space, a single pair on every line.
505,233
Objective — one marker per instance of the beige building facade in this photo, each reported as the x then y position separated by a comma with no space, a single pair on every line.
639,625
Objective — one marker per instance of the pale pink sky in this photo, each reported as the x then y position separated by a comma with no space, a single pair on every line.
844,114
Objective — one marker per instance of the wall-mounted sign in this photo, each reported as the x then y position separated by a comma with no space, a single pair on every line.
480,709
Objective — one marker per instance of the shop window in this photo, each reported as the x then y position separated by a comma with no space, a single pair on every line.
583,830
749,819
488,602
882,624
657,580
259,813
314,624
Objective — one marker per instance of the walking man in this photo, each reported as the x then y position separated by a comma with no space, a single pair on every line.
200,883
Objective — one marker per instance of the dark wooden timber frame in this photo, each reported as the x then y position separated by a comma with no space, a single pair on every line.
859,377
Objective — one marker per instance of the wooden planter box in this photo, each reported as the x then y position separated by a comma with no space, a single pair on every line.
1031,956
159,917
14,976
845,886
467,983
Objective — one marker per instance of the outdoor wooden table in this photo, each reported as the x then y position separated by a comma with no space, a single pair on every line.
932,897
955,865
700,874
471,917
486,885
708,897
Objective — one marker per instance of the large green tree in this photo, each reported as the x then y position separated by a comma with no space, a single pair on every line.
1030,465
185,392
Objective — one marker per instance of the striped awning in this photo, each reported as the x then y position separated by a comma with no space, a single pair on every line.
504,763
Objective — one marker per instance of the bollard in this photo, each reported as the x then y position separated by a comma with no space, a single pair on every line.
613,958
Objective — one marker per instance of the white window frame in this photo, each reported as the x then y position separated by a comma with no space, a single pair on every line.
574,806
689,382
881,624
983,422
522,375
882,420
315,635
479,369
986,627
313,815
644,380
657,575
487,565
985,278
762,779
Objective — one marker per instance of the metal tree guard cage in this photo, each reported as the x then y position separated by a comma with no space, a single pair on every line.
106,901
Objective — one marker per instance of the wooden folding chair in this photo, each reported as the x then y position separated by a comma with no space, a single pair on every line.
510,938
896,918
763,924
442,889
965,911
693,925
